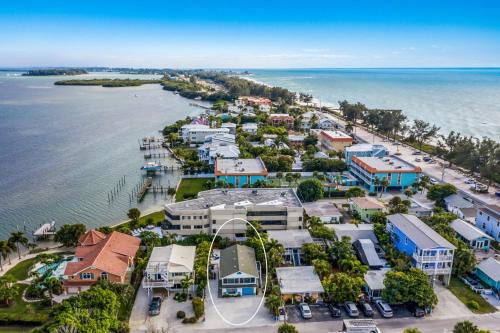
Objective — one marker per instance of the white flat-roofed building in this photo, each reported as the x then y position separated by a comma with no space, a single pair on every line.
168,266
325,210
209,152
297,283
249,128
230,126
292,241
374,283
220,138
366,150
197,133
240,172
274,209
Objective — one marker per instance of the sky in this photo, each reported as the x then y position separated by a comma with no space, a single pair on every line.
250,34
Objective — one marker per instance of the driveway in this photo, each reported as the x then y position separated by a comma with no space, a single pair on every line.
233,309
449,305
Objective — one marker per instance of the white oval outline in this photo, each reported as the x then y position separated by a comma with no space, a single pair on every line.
208,274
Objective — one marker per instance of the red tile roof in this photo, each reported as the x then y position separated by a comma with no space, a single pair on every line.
91,237
111,254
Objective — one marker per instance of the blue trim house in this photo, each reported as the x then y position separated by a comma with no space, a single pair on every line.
398,172
428,250
488,220
239,172
364,150
474,237
489,272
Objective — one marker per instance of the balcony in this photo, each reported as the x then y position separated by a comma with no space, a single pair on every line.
438,271
432,258
147,283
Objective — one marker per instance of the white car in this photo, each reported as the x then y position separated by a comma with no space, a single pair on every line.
433,181
469,181
305,311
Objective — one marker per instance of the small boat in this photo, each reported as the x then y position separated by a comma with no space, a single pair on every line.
151,166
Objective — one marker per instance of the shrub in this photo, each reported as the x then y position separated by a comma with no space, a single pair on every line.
198,307
180,297
181,314
190,320
473,305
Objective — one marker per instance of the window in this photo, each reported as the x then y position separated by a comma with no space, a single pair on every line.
86,276
104,275
406,240
186,226
198,226
206,225
214,222
300,218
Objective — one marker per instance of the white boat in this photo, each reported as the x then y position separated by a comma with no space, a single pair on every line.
151,166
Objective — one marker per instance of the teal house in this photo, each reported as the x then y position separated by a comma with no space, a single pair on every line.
473,236
369,170
488,271
239,172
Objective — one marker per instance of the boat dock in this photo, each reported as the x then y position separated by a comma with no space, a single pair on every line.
155,155
200,106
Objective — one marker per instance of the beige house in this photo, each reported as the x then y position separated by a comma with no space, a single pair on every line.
298,283
168,266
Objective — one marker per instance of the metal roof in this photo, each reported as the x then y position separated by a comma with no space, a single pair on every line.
367,253
490,267
467,230
419,232
298,280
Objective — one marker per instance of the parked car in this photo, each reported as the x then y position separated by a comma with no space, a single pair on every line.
416,153
366,308
426,158
155,306
418,160
497,193
469,181
415,309
432,162
352,309
384,309
433,181
305,311
334,311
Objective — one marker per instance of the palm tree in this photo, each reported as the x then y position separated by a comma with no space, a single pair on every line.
18,238
384,183
289,178
52,285
376,183
186,282
408,192
273,303
296,177
279,175
5,250
8,289
424,182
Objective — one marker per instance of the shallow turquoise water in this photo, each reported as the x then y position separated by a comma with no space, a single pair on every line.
459,99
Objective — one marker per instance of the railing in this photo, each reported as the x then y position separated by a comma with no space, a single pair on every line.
432,258
432,271
146,283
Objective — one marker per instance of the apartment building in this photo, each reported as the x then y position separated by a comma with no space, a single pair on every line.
488,220
281,119
364,150
274,209
334,140
197,133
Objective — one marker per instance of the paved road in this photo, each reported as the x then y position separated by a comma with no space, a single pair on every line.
432,170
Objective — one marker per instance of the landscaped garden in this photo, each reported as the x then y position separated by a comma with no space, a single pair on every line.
189,188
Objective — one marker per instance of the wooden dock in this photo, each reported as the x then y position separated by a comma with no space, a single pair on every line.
144,189
155,155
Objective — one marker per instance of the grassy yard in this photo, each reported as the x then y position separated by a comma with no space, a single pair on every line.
465,294
21,311
190,187
21,270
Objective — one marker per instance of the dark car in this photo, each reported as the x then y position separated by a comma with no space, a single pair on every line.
415,309
366,308
334,311
351,309
155,306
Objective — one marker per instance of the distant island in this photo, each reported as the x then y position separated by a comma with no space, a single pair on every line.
108,83
60,71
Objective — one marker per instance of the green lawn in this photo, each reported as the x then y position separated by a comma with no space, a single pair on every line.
465,294
21,270
21,311
190,186
15,329
156,216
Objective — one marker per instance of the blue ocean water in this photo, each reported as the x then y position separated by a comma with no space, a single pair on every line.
466,100
63,148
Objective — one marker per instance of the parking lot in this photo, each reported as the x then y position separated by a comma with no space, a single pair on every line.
320,312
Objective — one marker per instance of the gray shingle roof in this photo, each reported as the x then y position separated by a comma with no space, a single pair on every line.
467,230
457,200
490,267
419,232
237,258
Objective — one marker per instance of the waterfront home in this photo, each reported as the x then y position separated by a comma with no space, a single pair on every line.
281,119
220,138
488,271
100,256
299,284
274,209
238,272
354,232
240,171
334,140
249,128
399,173
473,236
230,126
262,103
168,266
428,250
488,220
292,241
194,133
209,152
374,283
455,202
365,207
365,150
367,253
325,210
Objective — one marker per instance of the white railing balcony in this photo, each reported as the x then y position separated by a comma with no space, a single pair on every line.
437,271
439,257
148,283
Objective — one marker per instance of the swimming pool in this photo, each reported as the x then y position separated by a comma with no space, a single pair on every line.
55,269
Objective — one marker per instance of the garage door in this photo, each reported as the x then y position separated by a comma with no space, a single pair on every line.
247,291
